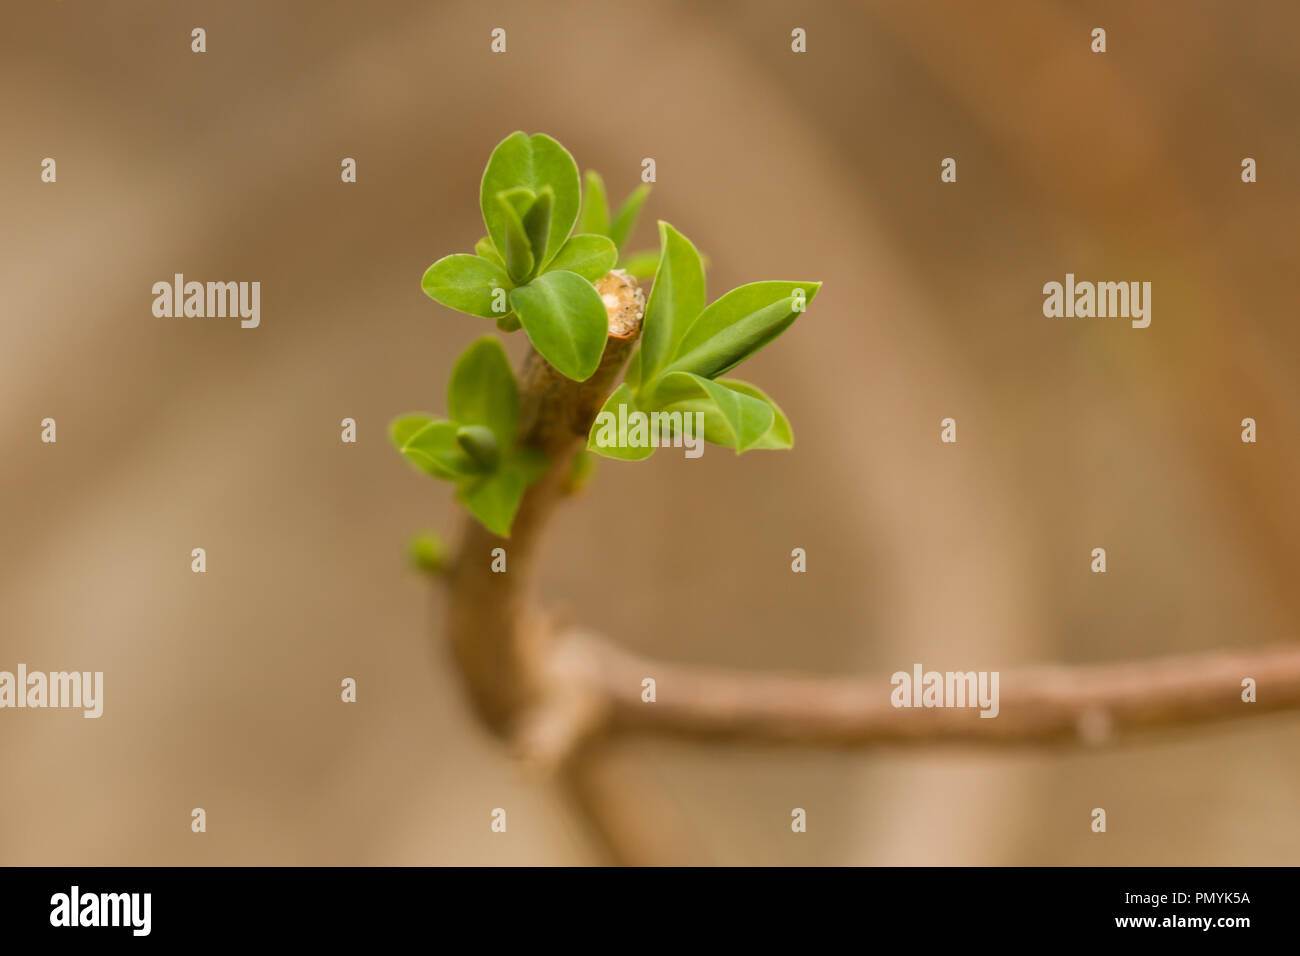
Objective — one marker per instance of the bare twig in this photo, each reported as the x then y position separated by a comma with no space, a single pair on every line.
1094,705
626,810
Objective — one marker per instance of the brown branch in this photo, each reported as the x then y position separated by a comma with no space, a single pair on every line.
1092,705
525,688
500,639
561,703
626,810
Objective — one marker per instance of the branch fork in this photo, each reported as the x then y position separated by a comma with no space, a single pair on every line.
557,697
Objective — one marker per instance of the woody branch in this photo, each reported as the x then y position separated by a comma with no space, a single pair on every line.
1090,705
561,698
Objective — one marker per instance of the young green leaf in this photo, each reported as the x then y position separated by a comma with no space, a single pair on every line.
565,320
480,444
483,391
780,435
676,300
434,449
738,324
594,218
494,499
731,418
531,162
604,438
537,225
520,198
488,251
466,283
402,428
518,251
632,377
589,256
625,219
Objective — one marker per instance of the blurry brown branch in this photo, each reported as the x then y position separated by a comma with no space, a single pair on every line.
562,699
1092,705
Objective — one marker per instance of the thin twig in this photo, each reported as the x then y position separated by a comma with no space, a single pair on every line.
1091,705
626,809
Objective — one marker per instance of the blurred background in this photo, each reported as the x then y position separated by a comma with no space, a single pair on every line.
222,689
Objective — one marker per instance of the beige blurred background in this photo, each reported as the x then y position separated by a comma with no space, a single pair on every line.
222,689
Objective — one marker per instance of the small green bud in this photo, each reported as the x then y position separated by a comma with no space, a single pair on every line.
428,553
480,444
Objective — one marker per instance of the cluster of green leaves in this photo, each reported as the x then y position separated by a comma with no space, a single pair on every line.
529,270
533,271
686,346
475,448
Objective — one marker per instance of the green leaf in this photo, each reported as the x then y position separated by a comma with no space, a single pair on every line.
480,444
406,425
604,438
531,162
483,391
520,198
641,264
731,418
589,256
625,220
565,320
737,325
676,300
594,218
488,251
632,377
537,224
466,283
494,499
433,448
518,250
780,435
403,427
